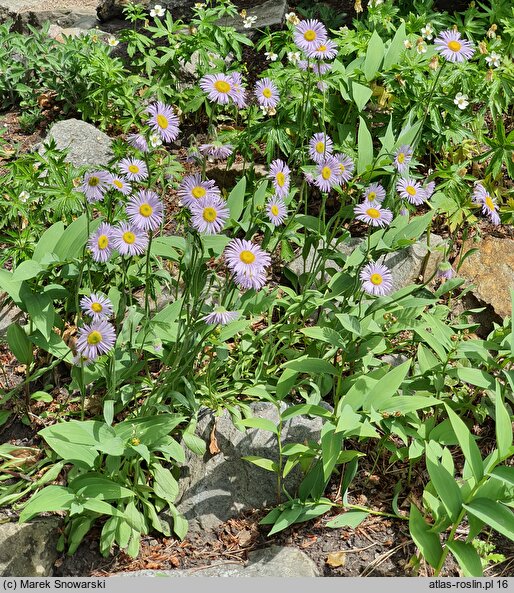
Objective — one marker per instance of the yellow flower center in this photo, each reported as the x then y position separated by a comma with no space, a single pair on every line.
129,237
118,183
267,93
401,158
133,168
247,257
326,172
209,214
489,202
274,210
281,179
162,121
103,242
198,191
95,337
376,279
145,210
373,212
372,195
93,181
410,190
96,307
309,35
342,168
322,48
320,147
454,45
135,441
222,86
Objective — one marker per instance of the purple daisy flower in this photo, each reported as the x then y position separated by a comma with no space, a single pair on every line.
376,279
402,158
322,86
320,146
163,121
120,184
134,169
95,339
79,360
346,166
276,210
445,270
216,150
411,190
97,306
144,210
100,242
452,47
373,214
138,141
326,50
279,175
129,240
374,193
95,184
220,87
192,188
429,189
329,174
220,316
238,90
251,280
209,214
309,34
482,197
267,93
244,258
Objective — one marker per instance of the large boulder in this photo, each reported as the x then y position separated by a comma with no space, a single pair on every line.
29,549
221,485
86,145
66,13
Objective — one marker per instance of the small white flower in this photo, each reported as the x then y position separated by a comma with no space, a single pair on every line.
24,196
461,101
200,4
294,56
155,140
249,22
407,43
493,60
268,110
157,10
112,41
427,32
292,18
271,56
421,47
376,2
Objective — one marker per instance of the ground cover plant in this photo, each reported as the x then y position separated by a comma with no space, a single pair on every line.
371,137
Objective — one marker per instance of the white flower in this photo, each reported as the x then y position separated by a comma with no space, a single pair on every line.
155,140
292,18
249,22
271,56
268,110
112,41
493,60
376,2
24,196
200,4
461,101
407,43
158,10
421,47
294,56
427,32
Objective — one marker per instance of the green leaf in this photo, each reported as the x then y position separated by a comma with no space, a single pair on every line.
503,427
396,48
100,506
374,56
365,146
48,241
467,444
286,383
194,443
164,484
494,514
445,486
427,541
93,485
305,409
361,94
41,311
503,473
19,343
467,557
260,423
330,448
286,518
235,200
71,441
409,403
381,394
267,464
51,498
41,396
473,376
72,242
27,270
350,519
307,364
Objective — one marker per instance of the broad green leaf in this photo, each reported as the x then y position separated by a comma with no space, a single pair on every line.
396,48
383,392
93,485
330,448
467,557
476,377
267,464
194,443
350,519
260,423
361,94
148,429
445,486
235,200
374,56
71,441
409,403
503,427
51,498
27,270
503,473
427,541
325,334
364,146
19,343
287,518
100,506
72,242
305,409
48,241
41,312
311,365
467,444
164,484
494,514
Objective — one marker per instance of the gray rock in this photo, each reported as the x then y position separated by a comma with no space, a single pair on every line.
268,14
86,145
29,549
9,313
65,13
274,561
220,486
